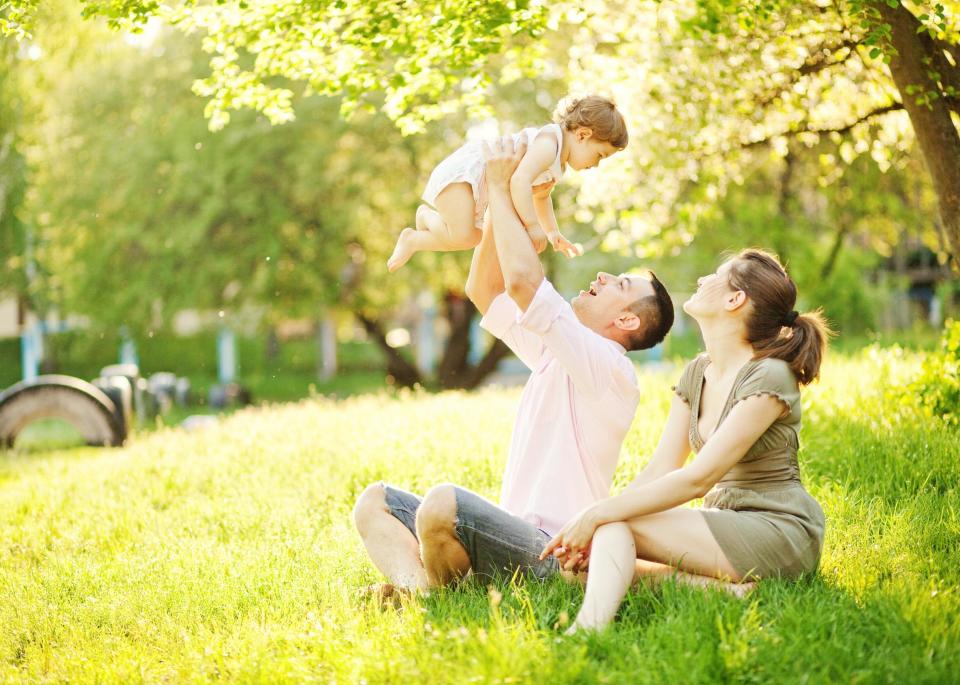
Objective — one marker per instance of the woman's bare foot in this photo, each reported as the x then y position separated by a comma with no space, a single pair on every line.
403,251
740,590
577,628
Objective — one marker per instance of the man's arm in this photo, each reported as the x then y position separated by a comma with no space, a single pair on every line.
519,264
485,280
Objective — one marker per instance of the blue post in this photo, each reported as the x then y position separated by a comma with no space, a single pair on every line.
226,356
655,353
30,352
477,339
128,348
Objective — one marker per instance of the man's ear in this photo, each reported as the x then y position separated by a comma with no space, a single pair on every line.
735,300
628,321
584,133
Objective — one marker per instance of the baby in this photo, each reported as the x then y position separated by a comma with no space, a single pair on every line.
587,130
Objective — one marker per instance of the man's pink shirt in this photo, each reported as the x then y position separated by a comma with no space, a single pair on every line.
574,413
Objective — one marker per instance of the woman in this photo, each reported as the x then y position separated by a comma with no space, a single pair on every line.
738,407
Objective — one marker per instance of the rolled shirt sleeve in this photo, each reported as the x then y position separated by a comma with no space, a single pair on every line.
501,322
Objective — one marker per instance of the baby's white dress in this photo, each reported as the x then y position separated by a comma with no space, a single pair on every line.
466,165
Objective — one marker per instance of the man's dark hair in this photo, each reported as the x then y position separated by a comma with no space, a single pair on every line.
656,317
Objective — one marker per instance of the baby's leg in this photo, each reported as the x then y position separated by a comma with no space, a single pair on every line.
449,227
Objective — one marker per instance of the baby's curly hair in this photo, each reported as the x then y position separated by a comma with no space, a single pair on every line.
597,113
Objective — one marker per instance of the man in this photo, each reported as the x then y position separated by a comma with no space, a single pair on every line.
574,413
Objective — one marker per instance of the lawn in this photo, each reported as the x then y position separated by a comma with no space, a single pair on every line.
228,555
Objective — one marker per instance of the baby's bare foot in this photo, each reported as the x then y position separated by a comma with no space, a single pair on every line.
403,251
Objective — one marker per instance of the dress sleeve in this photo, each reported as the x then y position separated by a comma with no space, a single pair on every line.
684,386
772,377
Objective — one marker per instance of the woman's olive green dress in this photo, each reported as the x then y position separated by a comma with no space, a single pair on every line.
760,514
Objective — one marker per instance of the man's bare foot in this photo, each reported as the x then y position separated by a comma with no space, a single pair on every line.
387,595
574,577
403,251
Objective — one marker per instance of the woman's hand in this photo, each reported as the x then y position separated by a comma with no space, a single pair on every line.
572,543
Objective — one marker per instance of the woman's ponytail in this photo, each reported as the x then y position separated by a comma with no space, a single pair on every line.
774,329
802,345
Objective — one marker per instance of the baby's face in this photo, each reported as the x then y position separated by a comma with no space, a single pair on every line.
586,153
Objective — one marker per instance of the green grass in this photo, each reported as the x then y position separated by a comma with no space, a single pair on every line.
228,555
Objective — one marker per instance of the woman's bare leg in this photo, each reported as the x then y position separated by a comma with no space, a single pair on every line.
674,540
449,227
612,561
652,573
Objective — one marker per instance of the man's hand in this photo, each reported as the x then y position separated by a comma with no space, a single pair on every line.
538,237
503,159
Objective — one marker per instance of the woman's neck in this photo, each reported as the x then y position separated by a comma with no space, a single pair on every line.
725,345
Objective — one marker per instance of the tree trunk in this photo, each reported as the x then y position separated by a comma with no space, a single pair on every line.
932,123
460,312
454,371
831,260
271,350
404,373
486,366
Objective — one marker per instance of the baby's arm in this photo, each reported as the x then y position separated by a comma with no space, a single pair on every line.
539,157
543,205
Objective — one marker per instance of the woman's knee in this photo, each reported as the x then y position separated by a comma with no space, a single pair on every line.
617,533
371,502
437,512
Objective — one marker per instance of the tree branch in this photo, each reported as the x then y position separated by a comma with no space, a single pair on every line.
880,111
817,61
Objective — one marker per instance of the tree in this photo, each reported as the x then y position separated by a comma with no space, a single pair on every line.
141,211
709,85
720,86
13,247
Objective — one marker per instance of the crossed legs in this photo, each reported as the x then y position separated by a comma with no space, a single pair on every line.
432,558
676,543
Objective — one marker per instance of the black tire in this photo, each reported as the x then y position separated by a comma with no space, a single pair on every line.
64,397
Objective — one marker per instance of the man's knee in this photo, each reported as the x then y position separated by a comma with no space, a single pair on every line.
371,503
437,512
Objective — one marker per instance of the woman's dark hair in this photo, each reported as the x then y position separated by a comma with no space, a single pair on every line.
774,329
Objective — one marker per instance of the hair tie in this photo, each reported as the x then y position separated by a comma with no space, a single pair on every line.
791,318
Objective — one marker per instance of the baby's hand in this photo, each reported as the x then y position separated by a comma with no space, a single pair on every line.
561,244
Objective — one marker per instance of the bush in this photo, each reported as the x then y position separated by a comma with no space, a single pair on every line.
937,390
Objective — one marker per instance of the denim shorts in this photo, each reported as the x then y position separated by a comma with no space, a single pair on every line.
497,542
